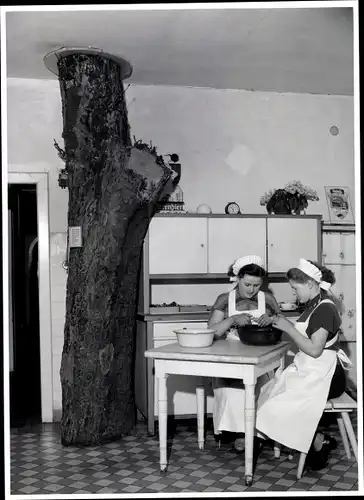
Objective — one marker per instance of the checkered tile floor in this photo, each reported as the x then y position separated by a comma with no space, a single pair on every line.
41,465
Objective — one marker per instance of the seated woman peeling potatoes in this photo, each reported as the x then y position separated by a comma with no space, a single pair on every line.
248,274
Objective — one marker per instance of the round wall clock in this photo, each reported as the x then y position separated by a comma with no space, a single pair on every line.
232,208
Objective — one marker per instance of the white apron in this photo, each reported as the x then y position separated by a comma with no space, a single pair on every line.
229,394
291,404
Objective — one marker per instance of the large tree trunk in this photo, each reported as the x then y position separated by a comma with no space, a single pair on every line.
113,190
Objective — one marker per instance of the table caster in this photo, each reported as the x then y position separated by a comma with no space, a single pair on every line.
163,470
248,480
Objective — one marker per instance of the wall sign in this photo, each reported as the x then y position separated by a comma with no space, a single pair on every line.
338,201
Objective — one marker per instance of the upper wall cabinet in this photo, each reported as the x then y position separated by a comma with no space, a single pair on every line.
290,239
198,245
338,248
231,238
177,245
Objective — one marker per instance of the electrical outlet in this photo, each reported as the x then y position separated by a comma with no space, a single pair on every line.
75,236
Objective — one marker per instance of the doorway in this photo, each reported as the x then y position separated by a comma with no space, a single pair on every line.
24,341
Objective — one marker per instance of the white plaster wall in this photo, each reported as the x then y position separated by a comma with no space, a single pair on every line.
233,145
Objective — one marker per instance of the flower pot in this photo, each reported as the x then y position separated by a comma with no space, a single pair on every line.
285,203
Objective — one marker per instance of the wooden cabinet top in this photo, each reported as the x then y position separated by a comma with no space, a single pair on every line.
237,216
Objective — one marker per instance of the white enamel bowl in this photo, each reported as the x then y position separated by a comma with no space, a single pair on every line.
195,337
287,306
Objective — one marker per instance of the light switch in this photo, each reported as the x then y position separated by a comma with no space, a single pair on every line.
75,236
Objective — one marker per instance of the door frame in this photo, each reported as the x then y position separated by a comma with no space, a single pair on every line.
45,322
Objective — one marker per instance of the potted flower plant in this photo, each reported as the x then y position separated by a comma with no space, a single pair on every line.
292,199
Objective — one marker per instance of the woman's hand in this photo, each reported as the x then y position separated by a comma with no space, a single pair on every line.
282,323
242,319
265,320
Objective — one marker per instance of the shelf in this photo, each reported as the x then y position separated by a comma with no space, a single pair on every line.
203,278
174,317
339,228
192,316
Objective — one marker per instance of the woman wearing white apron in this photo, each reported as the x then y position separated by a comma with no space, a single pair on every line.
291,404
248,274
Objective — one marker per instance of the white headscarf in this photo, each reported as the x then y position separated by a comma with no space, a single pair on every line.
245,261
313,272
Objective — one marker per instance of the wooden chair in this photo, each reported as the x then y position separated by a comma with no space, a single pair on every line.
342,406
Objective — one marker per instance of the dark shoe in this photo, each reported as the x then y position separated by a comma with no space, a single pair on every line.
258,448
317,460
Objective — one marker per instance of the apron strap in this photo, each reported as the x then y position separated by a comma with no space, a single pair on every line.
332,341
344,360
232,302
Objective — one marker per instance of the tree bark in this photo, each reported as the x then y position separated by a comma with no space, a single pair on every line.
113,190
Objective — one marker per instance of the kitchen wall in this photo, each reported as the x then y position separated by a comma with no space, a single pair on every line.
233,145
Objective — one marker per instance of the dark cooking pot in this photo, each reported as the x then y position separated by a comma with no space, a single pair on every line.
259,335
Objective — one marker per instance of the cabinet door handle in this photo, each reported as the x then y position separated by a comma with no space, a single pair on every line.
202,245
342,255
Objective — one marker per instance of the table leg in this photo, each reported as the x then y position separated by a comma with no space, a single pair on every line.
200,399
150,396
162,420
249,432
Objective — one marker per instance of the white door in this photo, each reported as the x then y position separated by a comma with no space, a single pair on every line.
290,239
345,290
338,248
178,245
231,238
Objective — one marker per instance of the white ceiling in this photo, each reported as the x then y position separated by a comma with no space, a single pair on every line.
280,50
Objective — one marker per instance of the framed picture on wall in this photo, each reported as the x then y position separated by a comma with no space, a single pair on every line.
338,200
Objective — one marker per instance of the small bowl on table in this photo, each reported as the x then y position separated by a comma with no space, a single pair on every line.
195,337
287,306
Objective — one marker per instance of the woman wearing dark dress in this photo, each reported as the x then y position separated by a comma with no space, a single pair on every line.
291,405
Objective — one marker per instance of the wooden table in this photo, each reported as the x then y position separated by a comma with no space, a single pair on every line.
225,358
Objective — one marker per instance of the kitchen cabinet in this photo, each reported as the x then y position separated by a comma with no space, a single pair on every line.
196,250
231,238
345,290
338,248
290,239
339,256
181,390
183,244
177,245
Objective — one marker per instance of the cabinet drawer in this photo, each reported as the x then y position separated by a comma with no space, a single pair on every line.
165,330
